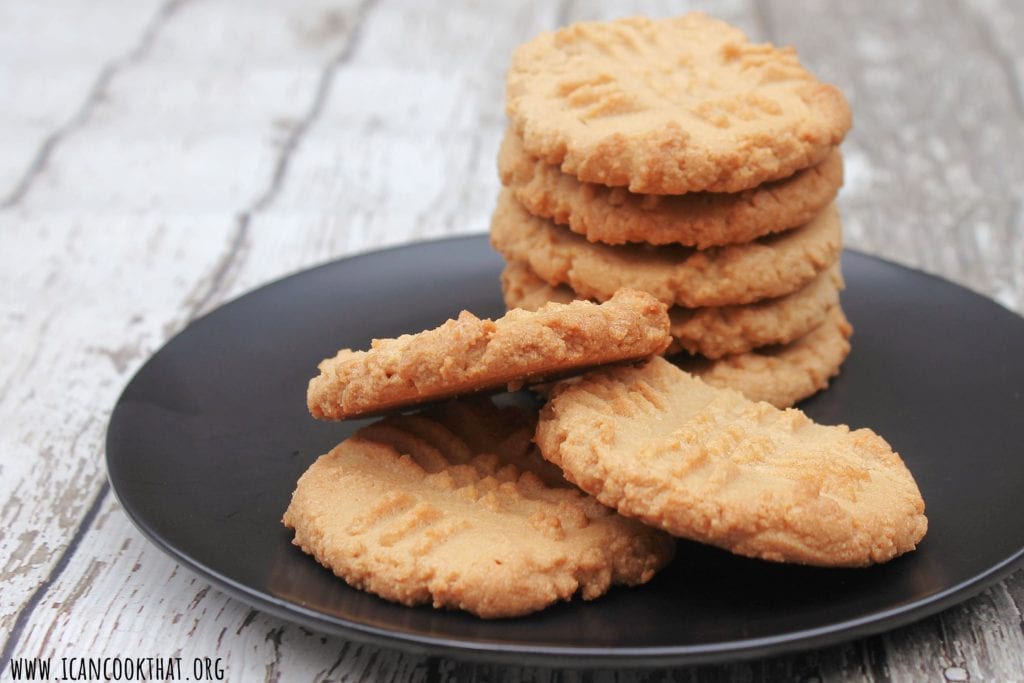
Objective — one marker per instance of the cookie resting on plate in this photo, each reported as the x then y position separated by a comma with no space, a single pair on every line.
709,465
780,374
454,507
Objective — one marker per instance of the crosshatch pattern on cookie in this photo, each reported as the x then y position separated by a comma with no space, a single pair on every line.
454,507
708,464
670,106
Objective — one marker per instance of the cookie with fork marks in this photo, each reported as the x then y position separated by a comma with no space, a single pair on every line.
670,106
454,507
709,465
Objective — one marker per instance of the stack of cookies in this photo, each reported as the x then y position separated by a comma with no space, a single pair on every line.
680,181
678,158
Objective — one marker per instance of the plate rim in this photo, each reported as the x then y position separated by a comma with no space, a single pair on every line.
590,657
557,656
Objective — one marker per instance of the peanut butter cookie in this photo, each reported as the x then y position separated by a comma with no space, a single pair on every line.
769,267
470,354
713,331
613,215
708,464
781,374
670,106
454,507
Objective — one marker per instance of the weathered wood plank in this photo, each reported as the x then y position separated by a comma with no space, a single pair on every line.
246,141
932,178
120,597
89,310
275,249
53,76
83,317
405,148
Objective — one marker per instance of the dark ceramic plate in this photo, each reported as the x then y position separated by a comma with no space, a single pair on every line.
207,441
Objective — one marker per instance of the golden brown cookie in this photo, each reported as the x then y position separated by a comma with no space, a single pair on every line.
713,331
613,215
708,464
781,374
769,267
454,507
470,354
670,106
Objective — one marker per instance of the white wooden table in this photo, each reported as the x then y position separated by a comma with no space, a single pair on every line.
160,158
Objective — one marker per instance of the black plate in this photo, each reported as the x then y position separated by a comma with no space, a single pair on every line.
208,439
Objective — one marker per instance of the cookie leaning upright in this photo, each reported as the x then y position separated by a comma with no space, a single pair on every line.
670,106
472,354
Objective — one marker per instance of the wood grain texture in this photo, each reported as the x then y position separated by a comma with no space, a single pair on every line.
53,77
162,158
